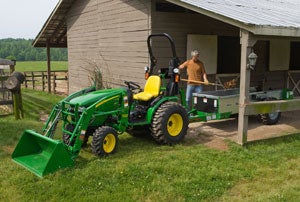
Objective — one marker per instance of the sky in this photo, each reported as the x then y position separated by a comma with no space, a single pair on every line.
24,18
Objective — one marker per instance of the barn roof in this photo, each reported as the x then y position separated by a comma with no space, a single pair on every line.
261,17
55,28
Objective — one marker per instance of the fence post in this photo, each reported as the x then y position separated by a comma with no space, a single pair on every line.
26,86
54,82
32,79
43,81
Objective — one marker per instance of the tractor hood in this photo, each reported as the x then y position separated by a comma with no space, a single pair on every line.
89,99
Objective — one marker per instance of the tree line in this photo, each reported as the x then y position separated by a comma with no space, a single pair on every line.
22,50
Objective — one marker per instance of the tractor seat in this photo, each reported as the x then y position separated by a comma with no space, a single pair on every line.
151,90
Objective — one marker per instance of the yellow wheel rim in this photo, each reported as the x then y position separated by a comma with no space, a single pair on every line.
175,124
109,143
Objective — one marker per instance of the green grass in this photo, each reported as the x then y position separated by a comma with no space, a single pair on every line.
143,171
40,66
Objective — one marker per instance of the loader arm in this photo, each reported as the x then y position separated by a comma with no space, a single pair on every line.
55,115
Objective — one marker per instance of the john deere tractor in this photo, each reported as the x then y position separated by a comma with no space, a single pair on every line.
104,114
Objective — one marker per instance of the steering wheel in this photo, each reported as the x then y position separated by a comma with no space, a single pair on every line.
133,85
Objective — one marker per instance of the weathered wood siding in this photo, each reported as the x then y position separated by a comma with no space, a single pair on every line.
82,42
110,35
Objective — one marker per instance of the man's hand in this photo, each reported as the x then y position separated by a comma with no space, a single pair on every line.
206,81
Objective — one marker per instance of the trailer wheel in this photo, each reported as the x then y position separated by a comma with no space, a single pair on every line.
105,141
169,124
270,118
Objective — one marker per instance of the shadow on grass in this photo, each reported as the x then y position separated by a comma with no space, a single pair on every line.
274,140
33,106
128,145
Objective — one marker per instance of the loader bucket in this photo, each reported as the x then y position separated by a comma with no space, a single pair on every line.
40,154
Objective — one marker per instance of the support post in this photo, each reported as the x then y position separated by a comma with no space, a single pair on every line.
246,44
48,67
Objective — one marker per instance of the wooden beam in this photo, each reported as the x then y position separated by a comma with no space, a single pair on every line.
48,66
57,29
61,36
246,44
264,107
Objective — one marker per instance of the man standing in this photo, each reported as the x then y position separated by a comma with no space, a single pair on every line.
195,72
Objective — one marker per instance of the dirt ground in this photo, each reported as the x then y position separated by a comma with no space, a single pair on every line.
214,133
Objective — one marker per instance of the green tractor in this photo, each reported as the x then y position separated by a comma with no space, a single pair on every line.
104,114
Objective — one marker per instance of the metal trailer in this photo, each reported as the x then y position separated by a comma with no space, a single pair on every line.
222,104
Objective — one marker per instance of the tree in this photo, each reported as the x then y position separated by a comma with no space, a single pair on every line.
22,50
10,57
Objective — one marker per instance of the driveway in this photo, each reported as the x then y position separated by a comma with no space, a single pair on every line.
213,133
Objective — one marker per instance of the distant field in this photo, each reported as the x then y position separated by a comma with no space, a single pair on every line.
40,66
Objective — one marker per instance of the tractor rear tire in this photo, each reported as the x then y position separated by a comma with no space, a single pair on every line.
105,141
169,124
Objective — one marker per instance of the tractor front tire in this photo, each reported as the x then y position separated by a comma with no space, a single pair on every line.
169,124
105,141
66,137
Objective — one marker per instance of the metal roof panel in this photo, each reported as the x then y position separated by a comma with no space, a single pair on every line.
281,13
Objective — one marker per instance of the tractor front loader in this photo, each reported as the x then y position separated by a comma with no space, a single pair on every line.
104,114
85,111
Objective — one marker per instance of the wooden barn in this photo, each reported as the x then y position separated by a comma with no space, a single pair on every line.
111,35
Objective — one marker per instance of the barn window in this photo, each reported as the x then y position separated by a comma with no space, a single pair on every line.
229,55
295,56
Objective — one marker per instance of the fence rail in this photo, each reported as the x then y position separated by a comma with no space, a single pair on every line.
39,80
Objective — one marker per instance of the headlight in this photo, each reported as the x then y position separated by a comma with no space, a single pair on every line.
176,70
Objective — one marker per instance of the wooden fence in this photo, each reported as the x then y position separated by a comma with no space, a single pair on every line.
39,80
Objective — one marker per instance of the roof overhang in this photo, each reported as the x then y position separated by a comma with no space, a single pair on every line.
266,30
54,31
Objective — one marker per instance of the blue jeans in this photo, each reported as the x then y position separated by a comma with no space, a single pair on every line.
189,94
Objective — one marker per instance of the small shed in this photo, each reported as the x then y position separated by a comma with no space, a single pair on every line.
112,35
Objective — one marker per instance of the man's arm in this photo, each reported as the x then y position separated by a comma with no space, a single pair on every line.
204,75
205,78
183,65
